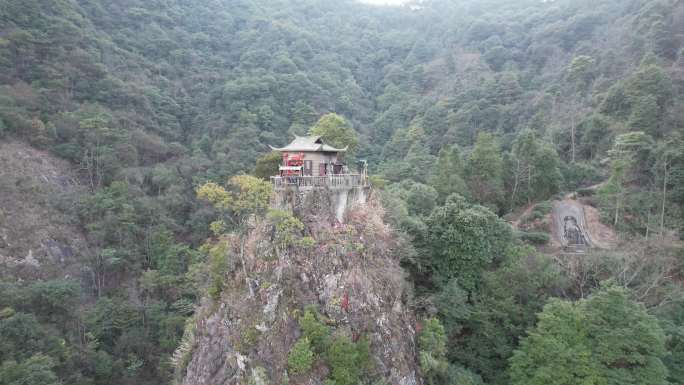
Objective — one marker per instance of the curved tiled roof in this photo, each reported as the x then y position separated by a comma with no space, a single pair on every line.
308,144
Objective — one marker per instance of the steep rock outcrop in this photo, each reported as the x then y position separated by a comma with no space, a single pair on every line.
350,273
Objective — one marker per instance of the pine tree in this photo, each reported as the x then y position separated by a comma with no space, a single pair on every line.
447,177
484,171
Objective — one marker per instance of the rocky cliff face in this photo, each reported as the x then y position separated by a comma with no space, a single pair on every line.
349,272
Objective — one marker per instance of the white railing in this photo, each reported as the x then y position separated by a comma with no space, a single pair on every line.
330,181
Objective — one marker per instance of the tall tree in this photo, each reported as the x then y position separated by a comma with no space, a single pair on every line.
463,240
247,195
484,171
556,350
669,169
447,176
580,74
336,131
604,339
267,165
535,169
626,157
525,151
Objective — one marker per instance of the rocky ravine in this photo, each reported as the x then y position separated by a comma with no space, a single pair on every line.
351,274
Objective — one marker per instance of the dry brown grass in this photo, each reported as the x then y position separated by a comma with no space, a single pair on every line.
39,235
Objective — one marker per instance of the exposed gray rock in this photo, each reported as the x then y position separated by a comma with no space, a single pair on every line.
351,275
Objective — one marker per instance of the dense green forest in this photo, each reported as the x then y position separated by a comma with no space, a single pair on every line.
468,112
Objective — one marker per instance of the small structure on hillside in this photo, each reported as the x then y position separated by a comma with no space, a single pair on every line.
309,156
573,234
309,165
570,227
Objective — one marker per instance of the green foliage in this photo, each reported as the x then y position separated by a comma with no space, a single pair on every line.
581,71
267,165
630,156
167,256
219,262
347,360
247,195
252,195
216,287
7,312
534,170
258,376
447,177
148,101
249,336
288,227
626,341
579,174
432,351
21,336
484,333
555,352
585,192
335,131
36,370
301,357
672,320
421,199
314,330
463,240
605,339
645,116
534,238
215,194
484,171
377,182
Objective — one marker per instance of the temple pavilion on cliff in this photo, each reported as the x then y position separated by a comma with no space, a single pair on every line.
308,162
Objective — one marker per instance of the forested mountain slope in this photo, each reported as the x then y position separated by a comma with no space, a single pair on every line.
39,237
505,103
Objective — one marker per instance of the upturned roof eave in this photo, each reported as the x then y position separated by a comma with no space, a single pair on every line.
294,149
297,145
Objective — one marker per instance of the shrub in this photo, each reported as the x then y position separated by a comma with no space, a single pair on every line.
314,330
300,358
578,174
534,238
543,207
218,265
259,376
432,353
540,210
249,337
532,216
344,360
377,182
287,227
6,312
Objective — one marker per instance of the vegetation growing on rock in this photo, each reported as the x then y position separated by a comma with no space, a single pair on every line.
131,229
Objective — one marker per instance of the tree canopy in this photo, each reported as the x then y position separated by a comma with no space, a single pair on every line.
604,339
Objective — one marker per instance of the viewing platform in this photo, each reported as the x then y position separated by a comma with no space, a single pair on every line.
332,182
313,174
